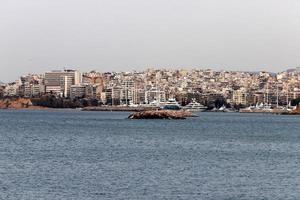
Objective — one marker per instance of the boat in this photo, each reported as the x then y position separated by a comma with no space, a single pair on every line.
171,104
154,103
224,109
195,107
258,108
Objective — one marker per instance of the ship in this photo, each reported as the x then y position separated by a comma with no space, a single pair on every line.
171,104
195,107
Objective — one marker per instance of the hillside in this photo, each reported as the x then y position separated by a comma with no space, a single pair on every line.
20,103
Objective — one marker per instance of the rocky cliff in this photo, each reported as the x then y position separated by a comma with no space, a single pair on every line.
18,103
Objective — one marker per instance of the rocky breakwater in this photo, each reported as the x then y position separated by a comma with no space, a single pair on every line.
161,114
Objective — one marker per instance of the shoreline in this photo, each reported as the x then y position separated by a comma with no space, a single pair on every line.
29,108
119,109
130,109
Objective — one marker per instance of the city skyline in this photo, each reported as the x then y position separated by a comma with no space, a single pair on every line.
17,75
117,35
232,85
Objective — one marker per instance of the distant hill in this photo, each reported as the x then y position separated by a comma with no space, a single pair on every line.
291,70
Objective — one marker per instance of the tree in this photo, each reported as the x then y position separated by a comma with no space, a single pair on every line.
295,102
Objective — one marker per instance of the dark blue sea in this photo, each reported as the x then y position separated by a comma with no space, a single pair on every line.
102,155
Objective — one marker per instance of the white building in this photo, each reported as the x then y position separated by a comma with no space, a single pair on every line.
33,90
12,89
240,97
155,94
126,94
59,82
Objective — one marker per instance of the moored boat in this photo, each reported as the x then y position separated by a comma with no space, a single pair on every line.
195,107
171,104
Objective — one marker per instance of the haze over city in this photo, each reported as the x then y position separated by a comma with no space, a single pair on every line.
108,35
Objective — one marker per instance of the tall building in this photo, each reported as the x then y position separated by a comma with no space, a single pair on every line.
139,96
59,82
112,95
127,92
2,90
240,97
116,95
155,94
77,91
33,90
13,89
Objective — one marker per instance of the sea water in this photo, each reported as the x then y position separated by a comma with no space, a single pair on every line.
103,155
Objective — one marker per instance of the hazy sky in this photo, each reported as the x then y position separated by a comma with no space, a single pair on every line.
39,35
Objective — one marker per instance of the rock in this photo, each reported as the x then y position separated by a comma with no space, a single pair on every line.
161,114
17,103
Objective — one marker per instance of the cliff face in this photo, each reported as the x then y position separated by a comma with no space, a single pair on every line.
15,103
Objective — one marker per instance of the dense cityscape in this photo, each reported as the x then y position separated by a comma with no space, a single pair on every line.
206,86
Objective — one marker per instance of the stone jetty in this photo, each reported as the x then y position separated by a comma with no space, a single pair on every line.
161,114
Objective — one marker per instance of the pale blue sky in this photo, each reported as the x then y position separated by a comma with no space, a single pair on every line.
39,35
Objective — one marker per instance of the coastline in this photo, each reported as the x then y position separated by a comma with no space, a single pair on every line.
29,108
124,109
26,104
119,109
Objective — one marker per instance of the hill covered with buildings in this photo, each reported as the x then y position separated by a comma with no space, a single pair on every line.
209,87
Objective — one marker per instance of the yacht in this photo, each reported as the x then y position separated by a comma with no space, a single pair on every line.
154,103
224,109
262,107
195,107
171,104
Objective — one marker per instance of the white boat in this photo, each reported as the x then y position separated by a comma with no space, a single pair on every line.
262,107
195,107
224,109
154,103
133,105
171,104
